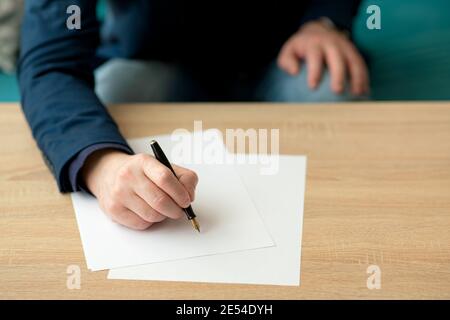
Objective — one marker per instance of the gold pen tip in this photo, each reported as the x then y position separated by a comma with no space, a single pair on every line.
195,224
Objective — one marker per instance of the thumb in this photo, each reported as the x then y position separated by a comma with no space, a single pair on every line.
188,179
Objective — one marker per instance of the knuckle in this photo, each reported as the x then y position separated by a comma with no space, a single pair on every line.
124,173
141,157
164,176
315,39
160,202
117,191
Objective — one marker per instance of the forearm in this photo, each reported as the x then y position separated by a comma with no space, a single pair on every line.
57,84
65,118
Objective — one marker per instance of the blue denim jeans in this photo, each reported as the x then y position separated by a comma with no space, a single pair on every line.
121,81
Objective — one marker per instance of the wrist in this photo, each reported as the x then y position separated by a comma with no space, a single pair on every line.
322,26
99,166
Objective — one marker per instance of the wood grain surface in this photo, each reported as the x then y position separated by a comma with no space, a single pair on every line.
377,192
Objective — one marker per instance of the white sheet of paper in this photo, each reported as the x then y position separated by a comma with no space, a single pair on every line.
228,218
279,198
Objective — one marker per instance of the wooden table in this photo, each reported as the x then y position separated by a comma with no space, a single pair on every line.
378,192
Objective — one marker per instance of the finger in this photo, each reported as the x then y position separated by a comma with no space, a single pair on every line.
137,205
359,76
288,60
314,58
158,199
336,65
188,179
126,217
167,181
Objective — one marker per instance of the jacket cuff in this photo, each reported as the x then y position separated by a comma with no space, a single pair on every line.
60,166
77,163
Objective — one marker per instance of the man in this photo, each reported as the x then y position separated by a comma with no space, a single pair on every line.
160,50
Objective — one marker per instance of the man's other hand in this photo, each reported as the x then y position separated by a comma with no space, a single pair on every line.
316,43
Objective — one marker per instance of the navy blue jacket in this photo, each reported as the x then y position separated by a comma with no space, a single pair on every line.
56,64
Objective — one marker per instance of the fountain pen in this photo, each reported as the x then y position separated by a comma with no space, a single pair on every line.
161,157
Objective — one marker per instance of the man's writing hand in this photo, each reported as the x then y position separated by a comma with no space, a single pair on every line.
137,191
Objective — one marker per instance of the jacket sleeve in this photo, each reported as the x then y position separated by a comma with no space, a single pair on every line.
340,12
56,80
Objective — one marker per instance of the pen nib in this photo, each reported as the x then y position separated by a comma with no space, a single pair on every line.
195,224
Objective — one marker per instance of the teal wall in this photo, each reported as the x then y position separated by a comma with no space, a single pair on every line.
409,57
9,91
